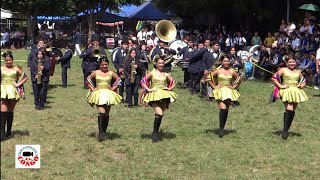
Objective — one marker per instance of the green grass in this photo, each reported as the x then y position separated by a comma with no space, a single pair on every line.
67,130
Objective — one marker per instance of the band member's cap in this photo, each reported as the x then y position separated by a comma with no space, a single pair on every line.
94,37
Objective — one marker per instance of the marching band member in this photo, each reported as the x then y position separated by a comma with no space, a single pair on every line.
209,59
65,64
162,50
196,67
134,70
224,90
9,94
291,92
158,95
90,60
186,53
119,63
103,95
39,67
34,50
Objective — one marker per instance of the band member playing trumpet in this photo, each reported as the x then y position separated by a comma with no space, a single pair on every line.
103,95
39,67
9,94
91,54
134,70
291,92
224,90
158,94
119,63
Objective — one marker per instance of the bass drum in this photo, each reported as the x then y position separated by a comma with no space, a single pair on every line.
114,52
177,45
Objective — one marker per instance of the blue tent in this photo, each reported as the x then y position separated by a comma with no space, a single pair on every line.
124,11
147,11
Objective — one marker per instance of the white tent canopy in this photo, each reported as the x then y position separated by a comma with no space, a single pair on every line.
5,14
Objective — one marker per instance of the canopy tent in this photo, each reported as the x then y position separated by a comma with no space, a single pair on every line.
108,18
53,18
123,11
147,11
5,14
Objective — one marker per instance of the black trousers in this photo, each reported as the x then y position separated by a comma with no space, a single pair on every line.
64,76
84,77
194,84
121,88
39,93
186,75
132,90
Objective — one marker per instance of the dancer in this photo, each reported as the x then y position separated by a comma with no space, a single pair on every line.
224,90
9,93
103,95
291,92
158,95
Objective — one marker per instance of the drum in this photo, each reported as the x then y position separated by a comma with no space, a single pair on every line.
184,64
177,45
248,68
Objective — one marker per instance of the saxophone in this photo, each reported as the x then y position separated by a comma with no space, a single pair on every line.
133,71
39,72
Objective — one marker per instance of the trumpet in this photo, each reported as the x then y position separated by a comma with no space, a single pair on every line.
96,52
48,48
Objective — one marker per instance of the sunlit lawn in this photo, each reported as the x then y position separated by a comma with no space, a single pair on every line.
67,132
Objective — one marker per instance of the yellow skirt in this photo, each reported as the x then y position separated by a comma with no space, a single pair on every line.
103,97
225,93
293,95
9,92
159,95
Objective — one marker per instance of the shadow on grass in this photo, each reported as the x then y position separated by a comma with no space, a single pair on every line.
18,133
216,131
165,135
278,133
110,136
316,95
60,85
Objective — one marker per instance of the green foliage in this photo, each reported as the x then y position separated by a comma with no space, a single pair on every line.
67,132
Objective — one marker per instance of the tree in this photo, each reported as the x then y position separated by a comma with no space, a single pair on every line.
30,9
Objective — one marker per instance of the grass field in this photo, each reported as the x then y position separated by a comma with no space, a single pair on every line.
191,149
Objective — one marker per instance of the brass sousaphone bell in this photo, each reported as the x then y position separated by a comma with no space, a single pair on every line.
166,30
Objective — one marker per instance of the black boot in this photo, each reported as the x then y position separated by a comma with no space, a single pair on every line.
9,123
223,115
101,124
156,126
292,113
106,122
3,124
286,123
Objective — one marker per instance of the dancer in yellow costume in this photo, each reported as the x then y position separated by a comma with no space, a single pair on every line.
12,78
224,82
103,95
291,92
158,94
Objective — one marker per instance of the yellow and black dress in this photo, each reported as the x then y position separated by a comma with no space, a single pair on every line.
103,95
224,92
8,90
158,83
292,94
